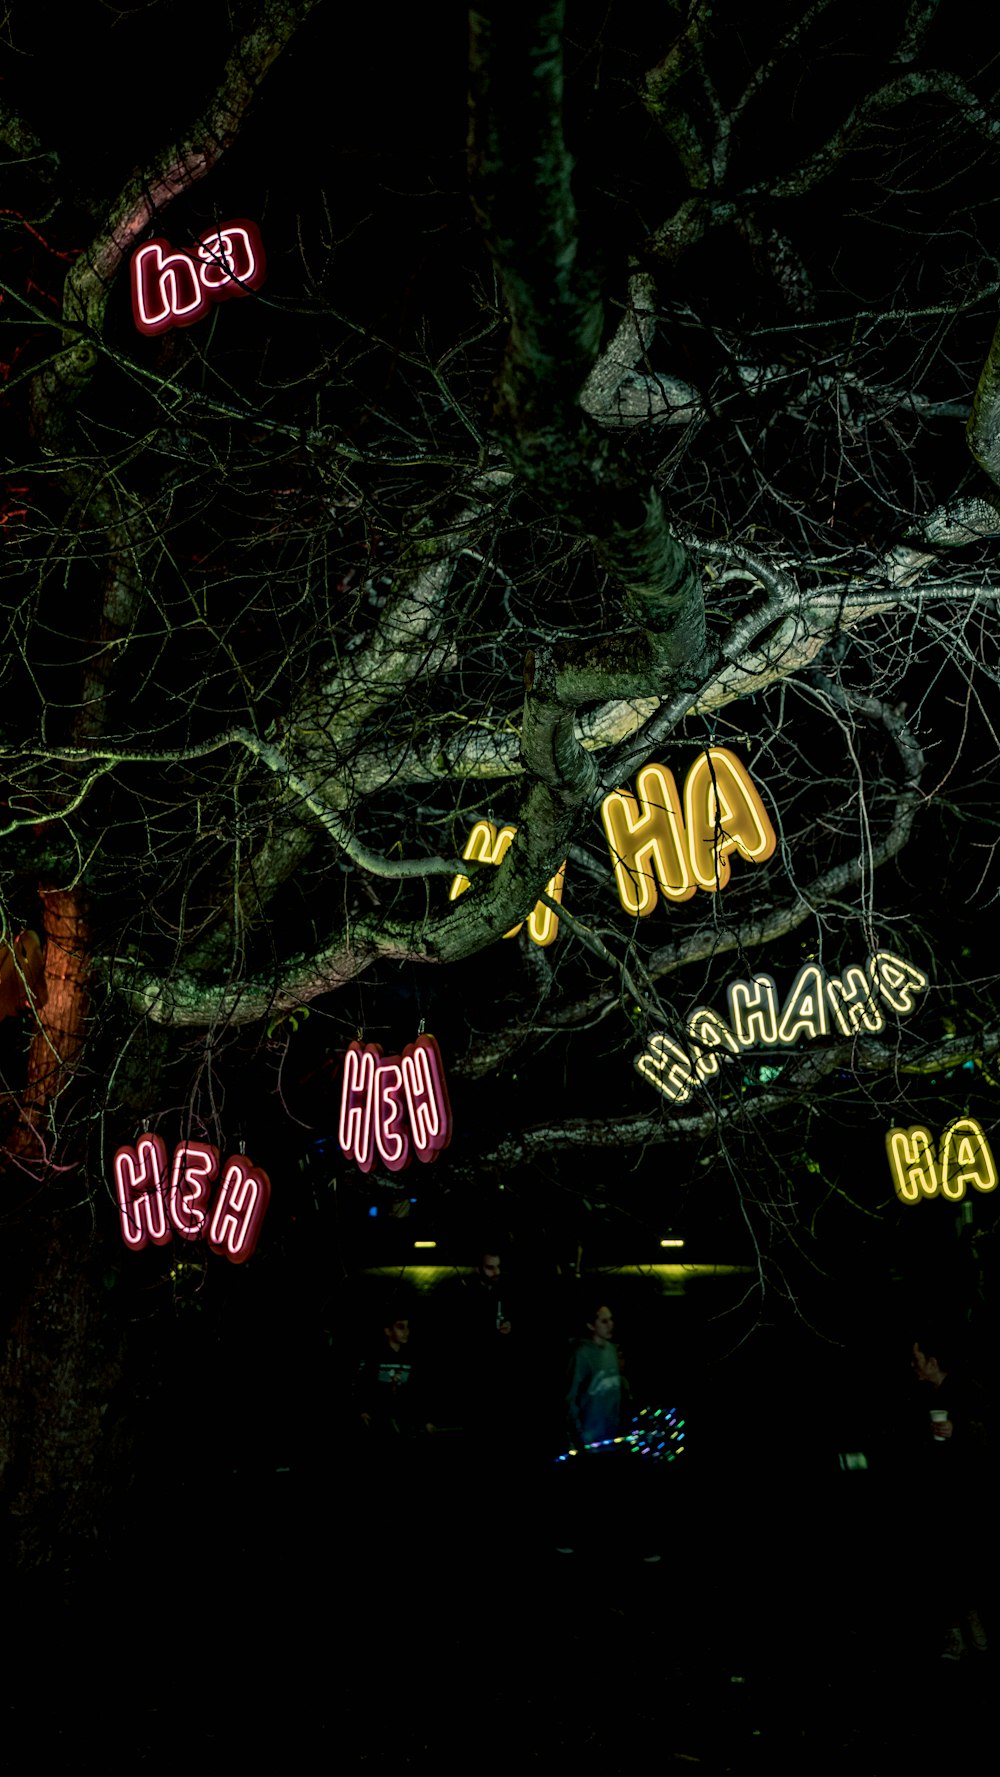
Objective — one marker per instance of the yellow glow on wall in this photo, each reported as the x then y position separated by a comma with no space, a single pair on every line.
489,846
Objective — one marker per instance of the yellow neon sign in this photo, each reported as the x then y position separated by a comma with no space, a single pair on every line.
491,847
755,1022
964,1158
655,847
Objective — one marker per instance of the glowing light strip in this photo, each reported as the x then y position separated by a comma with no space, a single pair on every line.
488,846
140,1176
660,1441
196,1164
174,288
240,1209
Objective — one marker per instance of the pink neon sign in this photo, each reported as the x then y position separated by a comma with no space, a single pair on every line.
174,287
394,1108
155,1200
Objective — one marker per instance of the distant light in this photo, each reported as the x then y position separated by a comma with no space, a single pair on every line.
374,1210
425,1243
671,1243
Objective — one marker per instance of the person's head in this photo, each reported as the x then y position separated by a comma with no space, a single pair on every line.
397,1332
931,1357
601,1324
489,1267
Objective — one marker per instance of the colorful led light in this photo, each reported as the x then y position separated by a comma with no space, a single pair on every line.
195,1166
174,288
239,1210
140,1180
965,1159
723,813
490,847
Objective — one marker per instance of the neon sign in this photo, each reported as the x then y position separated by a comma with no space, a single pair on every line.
394,1108
174,287
817,1005
156,1200
655,847
964,1158
490,847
